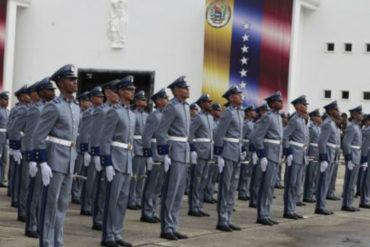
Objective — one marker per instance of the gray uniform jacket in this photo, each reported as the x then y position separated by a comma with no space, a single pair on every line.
328,140
33,116
60,119
201,126
313,149
270,127
141,117
18,126
175,122
247,134
118,126
3,124
365,148
84,130
96,132
296,133
149,140
352,142
230,126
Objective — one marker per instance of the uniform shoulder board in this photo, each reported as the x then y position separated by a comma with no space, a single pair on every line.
174,101
75,101
291,116
117,106
56,101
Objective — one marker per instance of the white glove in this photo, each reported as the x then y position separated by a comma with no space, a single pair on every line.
46,173
323,166
10,152
364,166
109,170
32,168
289,160
17,155
97,163
254,158
149,163
167,163
264,163
193,157
350,165
87,159
220,163
243,155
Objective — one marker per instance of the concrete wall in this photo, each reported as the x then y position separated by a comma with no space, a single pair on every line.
165,36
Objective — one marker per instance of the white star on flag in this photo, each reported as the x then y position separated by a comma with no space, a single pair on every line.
243,84
245,25
245,49
244,60
243,73
245,37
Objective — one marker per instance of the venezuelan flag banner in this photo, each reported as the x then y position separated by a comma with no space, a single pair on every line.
247,43
2,38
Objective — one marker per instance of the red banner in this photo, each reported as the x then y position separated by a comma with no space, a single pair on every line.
2,38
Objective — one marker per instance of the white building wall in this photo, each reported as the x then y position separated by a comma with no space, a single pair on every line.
337,21
165,36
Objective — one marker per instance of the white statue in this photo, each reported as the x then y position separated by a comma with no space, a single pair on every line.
118,23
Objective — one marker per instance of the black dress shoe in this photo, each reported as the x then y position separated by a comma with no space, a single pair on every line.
97,227
3,186
148,220
252,205
32,234
323,211
180,235
279,187
195,214
214,201
299,216
76,201
235,228
265,222
204,214
87,213
243,198
309,200
169,236
14,205
300,204
138,206
224,228
273,221
333,198
364,206
156,218
350,209
21,218
109,244
122,242
133,207
290,216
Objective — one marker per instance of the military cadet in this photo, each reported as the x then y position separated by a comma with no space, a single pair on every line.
45,91
334,169
246,169
295,143
116,156
278,185
267,139
79,170
155,169
328,144
313,153
213,169
201,152
137,181
4,102
365,155
173,131
95,138
256,175
230,152
54,150
96,98
15,136
194,109
352,142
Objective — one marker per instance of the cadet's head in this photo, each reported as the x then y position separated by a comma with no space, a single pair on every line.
160,98
45,89
216,110
180,88
66,79
96,96
4,99
300,104
33,93
275,101
262,109
332,109
193,109
140,100
234,96
250,112
356,113
22,95
367,120
315,116
205,102
109,91
126,89
84,100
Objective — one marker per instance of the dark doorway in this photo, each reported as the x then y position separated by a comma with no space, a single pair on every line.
90,78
